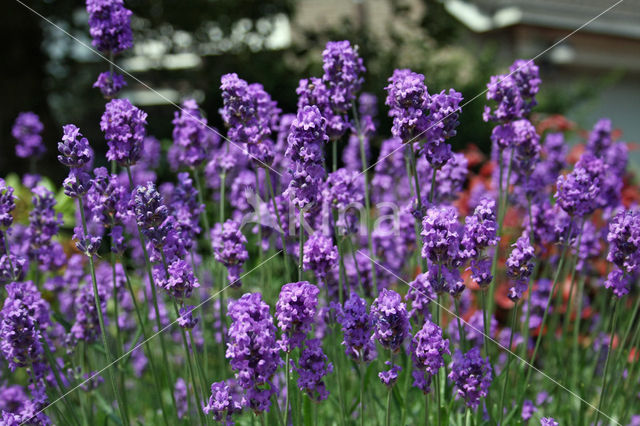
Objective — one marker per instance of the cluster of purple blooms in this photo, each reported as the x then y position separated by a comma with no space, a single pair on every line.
417,115
110,29
229,248
27,131
334,93
166,217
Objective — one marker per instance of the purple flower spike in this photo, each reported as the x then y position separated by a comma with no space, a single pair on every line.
320,255
578,191
151,214
74,149
306,150
7,205
110,25
390,376
223,403
343,70
624,240
252,348
441,234
192,138
519,266
23,318
421,293
186,319
110,84
248,110
179,281
443,119
295,312
357,327
124,128
391,320
471,375
548,421
514,93
408,102
229,249
428,347
77,184
27,131
618,282
312,367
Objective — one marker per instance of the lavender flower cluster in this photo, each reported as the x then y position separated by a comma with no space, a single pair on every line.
60,303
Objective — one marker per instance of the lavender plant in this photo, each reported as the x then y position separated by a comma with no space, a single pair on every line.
400,296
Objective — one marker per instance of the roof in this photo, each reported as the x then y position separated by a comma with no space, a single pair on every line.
622,20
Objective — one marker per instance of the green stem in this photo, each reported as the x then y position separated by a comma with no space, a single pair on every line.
147,347
362,377
121,406
544,316
463,337
58,379
287,380
281,230
603,388
154,298
418,224
334,148
367,202
301,248
509,357
388,416
502,197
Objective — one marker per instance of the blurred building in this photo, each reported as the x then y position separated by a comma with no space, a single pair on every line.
606,51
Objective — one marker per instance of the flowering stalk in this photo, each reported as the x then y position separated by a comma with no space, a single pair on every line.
603,388
544,315
502,204
194,383
414,169
154,296
121,404
281,230
147,348
367,200
509,357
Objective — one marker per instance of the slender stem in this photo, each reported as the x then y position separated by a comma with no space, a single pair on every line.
6,250
509,357
58,379
633,374
367,201
281,230
432,190
260,251
503,195
287,379
103,329
154,297
301,248
187,354
418,224
603,388
363,370
544,316
152,364
485,321
463,337
355,263
334,148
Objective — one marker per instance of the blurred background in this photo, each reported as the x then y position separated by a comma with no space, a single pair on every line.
182,47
